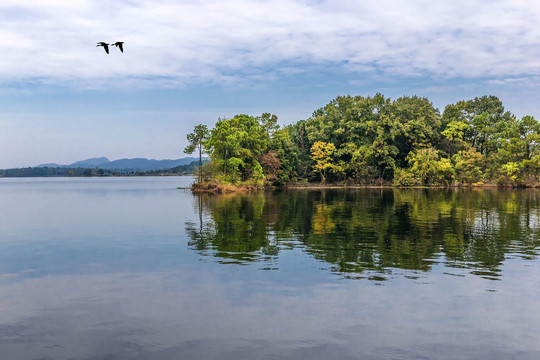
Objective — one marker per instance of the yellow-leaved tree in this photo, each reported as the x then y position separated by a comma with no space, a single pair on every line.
321,153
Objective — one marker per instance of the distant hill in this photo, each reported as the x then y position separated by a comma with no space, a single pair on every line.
90,162
136,164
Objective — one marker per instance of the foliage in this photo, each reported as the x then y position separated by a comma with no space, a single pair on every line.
197,140
384,131
377,140
237,144
271,165
454,134
404,177
321,153
468,166
428,168
511,172
257,174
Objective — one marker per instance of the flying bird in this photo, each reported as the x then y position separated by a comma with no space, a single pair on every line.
105,46
120,45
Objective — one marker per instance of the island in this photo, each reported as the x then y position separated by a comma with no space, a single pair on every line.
357,141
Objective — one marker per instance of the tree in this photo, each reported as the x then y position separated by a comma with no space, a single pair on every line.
379,140
386,131
468,166
322,152
428,168
487,121
529,136
197,140
415,124
269,123
454,135
271,165
236,145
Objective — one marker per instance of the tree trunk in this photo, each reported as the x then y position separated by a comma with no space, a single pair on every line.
225,162
200,162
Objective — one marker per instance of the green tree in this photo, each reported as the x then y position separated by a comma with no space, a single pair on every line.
268,123
468,166
428,167
529,137
197,140
487,122
415,124
237,145
376,139
386,131
454,135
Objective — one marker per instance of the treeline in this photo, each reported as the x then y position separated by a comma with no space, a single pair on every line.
376,140
79,172
188,169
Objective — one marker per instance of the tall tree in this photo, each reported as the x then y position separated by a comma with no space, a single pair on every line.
197,140
529,136
486,121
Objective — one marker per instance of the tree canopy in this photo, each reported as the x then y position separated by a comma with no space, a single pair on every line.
377,140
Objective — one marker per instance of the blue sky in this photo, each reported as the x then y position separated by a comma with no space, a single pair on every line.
63,99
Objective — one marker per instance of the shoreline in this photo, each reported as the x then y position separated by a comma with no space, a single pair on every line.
343,186
221,188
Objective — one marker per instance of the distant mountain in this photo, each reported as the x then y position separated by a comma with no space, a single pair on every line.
90,162
137,164
143,164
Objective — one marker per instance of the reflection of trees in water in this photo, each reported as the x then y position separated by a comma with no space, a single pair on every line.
232,227
372,229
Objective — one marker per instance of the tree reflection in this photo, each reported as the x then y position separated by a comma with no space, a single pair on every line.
372,230
233,227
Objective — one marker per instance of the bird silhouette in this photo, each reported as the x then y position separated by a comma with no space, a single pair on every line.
120,45
105,46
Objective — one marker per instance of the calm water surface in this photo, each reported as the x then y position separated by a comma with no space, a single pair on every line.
133,268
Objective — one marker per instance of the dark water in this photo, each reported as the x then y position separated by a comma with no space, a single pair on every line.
132,268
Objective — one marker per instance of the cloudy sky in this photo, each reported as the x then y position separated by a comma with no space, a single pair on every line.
187,62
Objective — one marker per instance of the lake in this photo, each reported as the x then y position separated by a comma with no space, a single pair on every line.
133,268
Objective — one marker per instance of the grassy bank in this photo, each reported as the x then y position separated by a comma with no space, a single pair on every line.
224,188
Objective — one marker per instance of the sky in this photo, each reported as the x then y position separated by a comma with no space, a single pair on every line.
63,99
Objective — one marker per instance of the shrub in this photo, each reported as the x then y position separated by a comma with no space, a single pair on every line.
403,177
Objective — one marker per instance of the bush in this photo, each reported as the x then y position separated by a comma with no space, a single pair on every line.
257,174
403,177
468,166
428,168
510,174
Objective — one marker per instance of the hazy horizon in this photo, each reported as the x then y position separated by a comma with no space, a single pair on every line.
108,160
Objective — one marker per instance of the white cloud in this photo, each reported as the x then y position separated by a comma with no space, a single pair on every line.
531,81
173,44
